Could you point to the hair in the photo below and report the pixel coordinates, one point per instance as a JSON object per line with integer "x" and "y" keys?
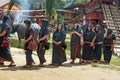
{"x": 77, "y": 27}
{"x": 62, "y": 29}
{"x": 88, "y": 26}
{"x": 28, "y": 22}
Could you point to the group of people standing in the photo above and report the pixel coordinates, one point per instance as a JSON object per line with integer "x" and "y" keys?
{"x": 95, "y": 40}
{"x": 86, "y": 44}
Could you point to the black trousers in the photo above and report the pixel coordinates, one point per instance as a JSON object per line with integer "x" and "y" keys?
{"x": 29, "y": 58}
{"x": 41, "y": 54}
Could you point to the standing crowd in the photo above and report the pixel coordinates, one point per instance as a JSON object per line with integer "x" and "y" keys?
{"x": 86, "y": 44}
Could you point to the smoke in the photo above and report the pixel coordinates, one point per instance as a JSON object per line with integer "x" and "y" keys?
{"x": 24, "y": 5}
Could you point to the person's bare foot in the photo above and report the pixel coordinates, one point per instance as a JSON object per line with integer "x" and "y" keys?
{"x": 26, "y": 66}
{"x": 11, "y": 65}
{"x": 72, "y": 62}
{"x": 41, "y": 65}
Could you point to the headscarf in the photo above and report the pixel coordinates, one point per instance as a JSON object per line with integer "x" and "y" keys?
{"x": 6, "y": 21}
{"x": 45, "y": 23}
{"x": 5, "y": 18}
{"x": 77, "y": 27}
{"x": 27, "y": 21}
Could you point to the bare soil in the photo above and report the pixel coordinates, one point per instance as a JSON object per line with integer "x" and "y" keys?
{"x": 65, "y": 72}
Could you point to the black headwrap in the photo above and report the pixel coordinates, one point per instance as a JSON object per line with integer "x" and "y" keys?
{"x": 6, "y": 21}
{"x": 45, "y": 23}
{"x": 27, "y": 21}
{"x": 5, "y": 18}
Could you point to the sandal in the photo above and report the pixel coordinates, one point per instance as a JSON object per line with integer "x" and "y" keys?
{"x": 41, "y": 65}
{"x": 26, "y": 66}
{"x": 72, "y": 62}
{"x": 11, "y": 65}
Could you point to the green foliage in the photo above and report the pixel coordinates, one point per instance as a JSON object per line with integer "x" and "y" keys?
{"x": 60, "y": 18}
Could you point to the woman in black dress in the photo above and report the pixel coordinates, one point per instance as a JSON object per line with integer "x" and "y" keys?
{"x": 58, "y": 53}
{"x": 89, "y": 39}
{"x": 28, "y": 37}
{"x": 5, "y": 54}
{"x": 76, "y": 43}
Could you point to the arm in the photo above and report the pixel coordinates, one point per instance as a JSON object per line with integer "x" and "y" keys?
{"x": 71, "y": 34}
{"x": 94, "y": 38}
{"x": 3, "y": 33}
{"x": 81, "y": 36}
{"x": 105, "y": 34}
{"x": 43, "y": 38}
{"x": 63, "y": 38}
{"x": 29, "y": 38}
{"x": 114, "y": 42}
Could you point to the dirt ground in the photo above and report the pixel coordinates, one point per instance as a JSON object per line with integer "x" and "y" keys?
{"x": 65, "y": 72}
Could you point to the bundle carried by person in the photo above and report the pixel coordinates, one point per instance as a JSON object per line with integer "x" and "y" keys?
{"x": 5, "y": 42}
{"x": 32, "y": 45}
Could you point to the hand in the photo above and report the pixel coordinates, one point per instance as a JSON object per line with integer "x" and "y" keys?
{"x": 55, "y": 42}
{"x": 25, "y": 41}
{"x": 38, "y": 41}
{"x": 59, "y": 42}
{"x": 105, "y": 29}
{"x": 92, "y": 44}
{"x": 72, "y": 33}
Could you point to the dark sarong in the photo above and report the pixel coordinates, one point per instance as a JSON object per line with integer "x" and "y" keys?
{"x": 87, "y": 52}
{"x": 6, "y": 54}
{"x": 97, "y": 51}
{"x": 58, "y": 54}
{"x": 107, "y": 53}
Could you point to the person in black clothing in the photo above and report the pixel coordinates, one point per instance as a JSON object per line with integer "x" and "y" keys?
{"x": 89, "y": 39}
{"x": 108, "y": 45}
{"x": 5, "y": 54}
{"x": 58, "y": 53}
{"x": 28, "y": 37}
{"x": 99, "y": 30}
{"x": 43, "y": 35}
{"x": 76, "y": 43}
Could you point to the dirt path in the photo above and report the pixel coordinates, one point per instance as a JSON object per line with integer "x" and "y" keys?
{"x": 65, "y": 72}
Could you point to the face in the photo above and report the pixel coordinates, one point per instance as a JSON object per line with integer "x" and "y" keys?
{"x": 89, "y": 28}
{"x": 96, "y": 28}
{"x": 26, "y": 25}
{"x": 75, "y": 26}
{"x": 40, "y": 23}
{"x": 59, "y": 26}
